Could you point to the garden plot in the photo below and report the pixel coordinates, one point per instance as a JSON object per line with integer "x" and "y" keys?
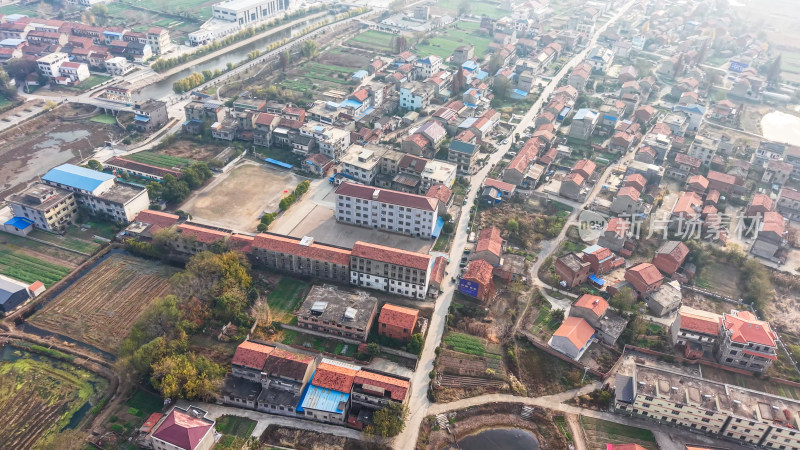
{"x": 100, "y": 307}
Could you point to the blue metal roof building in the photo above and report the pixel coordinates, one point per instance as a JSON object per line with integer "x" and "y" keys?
{"x": 320, "y": 399}
{"x": 77, "y": 178}
{"x": 462, "y": 147}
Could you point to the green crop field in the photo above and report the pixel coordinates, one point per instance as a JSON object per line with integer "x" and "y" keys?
{"x": 464, "y": 343}
{"x": 371, "y": 39}
{"x": 72, "y": 243}
{"x": 236, "y": 426}
{"x": 285, "y": 298}
{"x": 29, "y": 269}
{"x": 92, "y": 81}
{"x": 477, "y": 8}
{"x": 159, "y": 160}
{"x": 452, "y": 39}
{"x": 599, "y": 433}
{"x": 107, "y": 119}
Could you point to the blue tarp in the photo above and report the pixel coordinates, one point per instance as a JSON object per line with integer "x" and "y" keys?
{"x": 438, "y": 228}
{"x": 21, "y": 223}
{"x": 141, "y": 118}
{"x": 278, "y": 163}
{"x": 596, "y": 280}
{"x": 320, "y": 399}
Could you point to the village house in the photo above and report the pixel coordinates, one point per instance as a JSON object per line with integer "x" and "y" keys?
{"x": 572, "y": 270}
{"x": 477, "y": 281}
{"x": 695, "y": 331}
{"x": 573, "y": 337}
{"x": 644, "y": 277}
{"x": 746, "y": 342}
{"x": 397, "y": 322}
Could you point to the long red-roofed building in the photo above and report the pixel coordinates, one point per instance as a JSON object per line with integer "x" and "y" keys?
{"x": 390, "y": 269}
{"x": 248, "y": 361}
{"x": 302, "y": 256}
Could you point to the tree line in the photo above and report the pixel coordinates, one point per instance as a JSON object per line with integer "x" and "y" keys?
{"x": 175, "y": 190}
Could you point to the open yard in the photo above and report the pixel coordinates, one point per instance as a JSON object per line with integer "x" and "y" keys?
{"x": 40, "y": 396}
{"x": 31, "y": 261}
{"x": 332, "y": 69}
{"x": 600, "y": 432}
{"x": 543, "y": 373}
{"x": 452, "y": 38}
{"x": 758, "y": 384}
{"x": 237, "y": 198}
{"x": 100, "y": 307}
{"x": 67, "y": 241}
{"x": 719, "y": 277}
{"x": 372, "y": 40}
{"x": 320, "y": 344}
{"x": 285, "y": 298}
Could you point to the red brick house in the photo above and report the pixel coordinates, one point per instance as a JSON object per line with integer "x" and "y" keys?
{"x": 477, "y": 280}
{"x": 601, "y": 260}
{"x": 670, "y": 256}
{"x": 644, "y": 277}
{"x": 572, "y": 269}
{"x": 722, "y": 182}
{"x": 397, "y": 322}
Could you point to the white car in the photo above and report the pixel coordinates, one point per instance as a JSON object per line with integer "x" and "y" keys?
{"x": 505, "y": 141}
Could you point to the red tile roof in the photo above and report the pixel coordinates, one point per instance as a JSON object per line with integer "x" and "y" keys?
{"x": 790, "y": 194}
{"x": 698, "y": 181}
{"x": 334, "y": 377}
{"x": 397, "y": 388}
{"x": 388, "y": 196}
{"x": 479, "y": 271}
{"x": 761, "y": 200}
{"x": 598, "y": 305}
{"x": 489, "y": 239}
{"x": 686, "y": 204}
{"x": 630, "y": 191}
{"x": 35, "y": 286}
{"x": 699, "y": 324}
{"x": 398, "y": 316}
{"x": 182, "y": 430}
{"x": 265, "y": 119}
{"x": 391, "y": 255}
{"x": 618, "y": 225}
{"x": 625, "y": 447}
{"x": 683, "y": 158}
{"x": 241, "y": 242}
{"x": 577, "y": 330}
{"x": 636, "y": 179}
{"x": 440, "y": 192}
{"x": 645, "y": 272}
{"x": 291, "y": 246}
{"x": 721, "y": 177}
{"x": 360, "y": 95}
{"x": 575, "y": 177}
{"x": 200, "y": 234}
{"x": 745, "y": 328}
{"x": 252, "y": 354}
{"x": 151, "y": 421}
{"x": 287, "y": 364}
{"x": 499, "y": 185}
{"x": 437, "y": 273}
{"x": 156, "y": 219}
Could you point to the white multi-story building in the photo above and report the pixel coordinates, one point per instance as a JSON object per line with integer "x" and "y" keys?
{"x": 746, "y": 342}
{"x": 100, "y": 192}
{"x": 49, "y": 208}
{"x": 362, "y": 163}
{"x": 49, "y": 64}
{"x": 704, "y": 148}
{"x": 248, "y": 12}
{"x": 426, "y": 67}
{"x": 118, "y": 66}
{"x": 385, "y": 209}
{"x": 415, "y": 96}
{"x": 159, "y": 40}
{"x": 391, "y": 270}
{"x": 76, "y": 72}
{"x": 332, "y": 142}
{"x": 730, "y": 412}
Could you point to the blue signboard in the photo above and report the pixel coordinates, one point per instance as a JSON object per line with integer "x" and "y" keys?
{"x": 737, "y": 66}
{"x": 467, "y": 287}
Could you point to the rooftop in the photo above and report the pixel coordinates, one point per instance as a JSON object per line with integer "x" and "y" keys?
{"x": 595, "y": 303}
{"x": 577, "y": 330}
{"x": 391, "y": 255}
{"x": 77, "y": 177}
{"x": 398, "y": 316}
{"x": 286, "y": 364}
{"x": 302, "y": 247}
{"x": 489, "y": 240}
{"x": 184, "y": 428}
{"x": 201, "y": 234}
{"x": 387, "y": 196}
{"x": 699, "y": 321}
{"x": 339, "y": 306}
{"x": 322, "y": 399}
{"x": 40, "y": 196}
{"x": 335, "y": 375}
{"x": 479, "y": 271}
{"x": 745, "y": 328}
{"x": 122, "y": 193}
{"x": 572, "y": 261}
{"x": 252, "y": 355}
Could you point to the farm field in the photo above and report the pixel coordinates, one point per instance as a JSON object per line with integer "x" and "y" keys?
{"x": 544, "y": 373}
{"x": 444, "y": 44}
{"x": 31, "y": 261}
{"x": 39, "y": 396}
{"x": 100, "y": 307}
{"x": 181, "y": 152}
{"x": 477, "y": 8}
{"x": 719, "y": 277}
{"x": 285, "y": 298}
{"x": 73, "y": 243}
{"x": 372, "y": 40}
{"x": 331, "y": 70}
{"x": 156, "y": 159}
{"x": 465, "y": 343}
{"x": 600, "y": 432}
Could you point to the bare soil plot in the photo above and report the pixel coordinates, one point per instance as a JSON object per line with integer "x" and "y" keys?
{"x": 721, "y": 278}
{"x": 184, "y": 148}
{"x": 237, "y": 199}
{"x": 545, "y": 374}
{"x": 600, "y": 432}
{"x": 36, "y": 146}
{"x": 100, "y": 307}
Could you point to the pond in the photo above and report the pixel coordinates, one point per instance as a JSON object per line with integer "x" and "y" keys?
{"x": 499, "y": 439}
{"x": 781, "y": 127}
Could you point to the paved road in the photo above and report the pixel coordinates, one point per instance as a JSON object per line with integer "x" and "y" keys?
{"x": 418, "y": 403}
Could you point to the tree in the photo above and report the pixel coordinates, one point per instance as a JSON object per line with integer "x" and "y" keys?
{"x": 373, "y": 348}
{"x": 512, "y": 225}
{"x": 464, "y": 7}
{"x": 774, "y": 71}
{"x": 500, "y": 87}
{"x": 624, "y": 300}
{"x": 310, "y": 49}
{"x": 448, "y": 228}
{"x": 95, "y": 165}
{"x": 459, "y": 81}
{"x": 186, "y": 376}
{"x": 20, "y": 68}
{"x": 415, "y": 344}
{"x": 174, "y": 190}
{"x": 283, "y": 60}
{"x": 388, "y": 421}
{"x": 556, "y": 316}
{"x": 495, "y": 63}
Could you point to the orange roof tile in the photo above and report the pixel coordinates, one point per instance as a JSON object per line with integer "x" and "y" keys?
{"x": 577, "y": 330}
{"x": 291, "y": 246}
{"x": 252, "y": 354}
{"x": 699, "y": 324}
{"x": 598, "y": 305}
{"x": 391, "y": 255}
{"x": 646, "y": 272}
{"x": 745, "y": 328}
{"x": 398, "y": 316}
{"x": 630, "y": 191}
{"x": 489, "y": 240}
{"x": 200, "y": 234}
{"x": 479, "y": 271}
{"x": 334, "y": 377}
{"x": 397, "y": 388}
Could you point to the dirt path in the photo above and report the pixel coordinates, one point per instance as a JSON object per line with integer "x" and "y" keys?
{"x": 578, "y": 438}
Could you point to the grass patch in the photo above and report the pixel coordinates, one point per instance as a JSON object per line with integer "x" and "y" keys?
{"x": 477, "y": 8}
{"x": 561, "y": 424}
{"x": 371, "y": 39}
{"x": 236, "y": 426}
{"x": 601, "y": 432}
{"x": 451, "y": 39}
{"x": 92, "y": 82}
{"x": 159, "y": 160}
{"x": 285, "y": 298}
{"x": 107, "y": 119}
{"x": 145, "y": 402}
{"x": 292, "y": 337}
{"x": 72, "y": 243}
